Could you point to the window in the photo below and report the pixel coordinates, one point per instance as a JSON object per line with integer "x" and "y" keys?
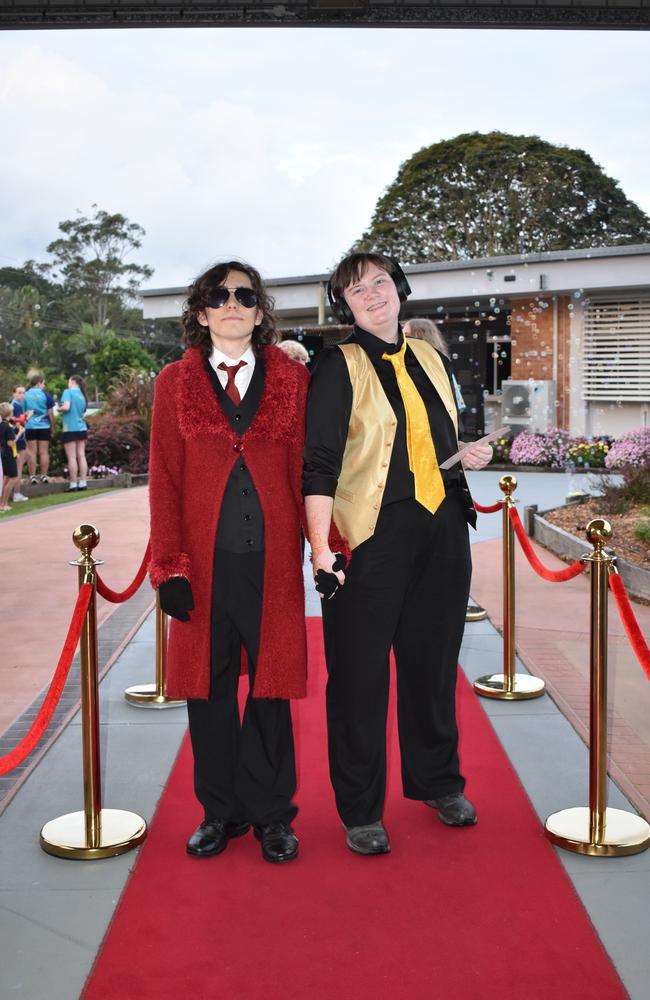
{"x": 617, "y": 350}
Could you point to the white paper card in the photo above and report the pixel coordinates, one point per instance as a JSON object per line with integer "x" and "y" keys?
{"x": 457, "y": 456}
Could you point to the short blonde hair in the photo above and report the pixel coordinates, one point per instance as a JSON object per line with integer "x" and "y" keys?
{"x": 295, "y": 350}
{"x": 425, "y": 329}
{"x": 6, "y": 410}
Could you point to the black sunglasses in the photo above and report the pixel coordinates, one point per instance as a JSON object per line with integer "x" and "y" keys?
{"x": 247, "y": 297}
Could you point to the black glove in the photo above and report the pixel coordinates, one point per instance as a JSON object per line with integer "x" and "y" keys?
{"x": 326, "y": 583}
{"x": 176, "y": 598}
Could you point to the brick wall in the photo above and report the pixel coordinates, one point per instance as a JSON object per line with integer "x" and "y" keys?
{"x": 531, "y": 329}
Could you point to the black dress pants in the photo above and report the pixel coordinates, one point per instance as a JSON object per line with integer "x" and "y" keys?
{"x": 243, "y": 769}
{"x": 406, "y": 587}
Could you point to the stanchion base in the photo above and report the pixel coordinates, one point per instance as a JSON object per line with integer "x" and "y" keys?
{"x": 494, "y": 686}
{"x": 625, "y": 832}
{"x": 475, "y": 613}
{"x": 147, "y": 696}
{"x": 65, "y": 837}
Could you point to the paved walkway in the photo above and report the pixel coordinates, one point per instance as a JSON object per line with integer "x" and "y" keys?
{"x": 41, "y": 588}
{"x": 552, "y": 639}
{"x": 552, "y": 631}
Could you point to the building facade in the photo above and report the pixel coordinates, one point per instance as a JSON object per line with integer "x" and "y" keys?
{"x": 540, "y": 340}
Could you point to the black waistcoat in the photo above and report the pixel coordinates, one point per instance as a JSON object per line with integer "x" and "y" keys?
{"x": 241, "y": 522}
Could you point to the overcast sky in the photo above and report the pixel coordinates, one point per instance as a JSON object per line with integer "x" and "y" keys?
{"x": 273, "y": 145}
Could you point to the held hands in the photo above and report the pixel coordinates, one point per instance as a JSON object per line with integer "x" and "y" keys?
{"x": 176, "y": 598}
{"x": 328, "y": 572}
{"x": 477, "y": 457}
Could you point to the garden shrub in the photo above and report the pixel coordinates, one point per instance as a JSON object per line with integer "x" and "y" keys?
{"x": 642, "y": 531}
{"x": 631, "y": 486}
{"x": 501, "y": 451}
{"x": 632, "y": 448}
{"x": 131, "y": 395}
{"x": 548, "y": 448}
{"x": 122, "y": 442}
{"x": 584, "y": 454}
{"x": 555, "y": 449}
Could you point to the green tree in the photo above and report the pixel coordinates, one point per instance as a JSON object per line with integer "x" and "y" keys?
{"x": 90, "y": 263}
{"x": 19, "y": 277}
{"x": 484, "y": 195}
{"x": 22, "y": 332}
{"x": 116, "y": 355}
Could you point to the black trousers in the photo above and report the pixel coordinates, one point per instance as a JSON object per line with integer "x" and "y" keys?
{"x": 243, "y": 769}
{"x": 406, "y": 587}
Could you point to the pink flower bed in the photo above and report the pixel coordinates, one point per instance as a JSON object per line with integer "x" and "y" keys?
{"x": 632, "y": 448}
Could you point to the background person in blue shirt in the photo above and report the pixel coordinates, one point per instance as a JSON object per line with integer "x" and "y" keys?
{"x": 20, "y": 418}
{"x": 73, "y": 405}
{"x": 39, "y": 427}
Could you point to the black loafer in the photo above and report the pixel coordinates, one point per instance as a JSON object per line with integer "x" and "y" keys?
{"x": 454, "y": 809}
{"x": 369, "y": 839}
{"x": 279, "y": 842}
{"x": 212, "y": 837}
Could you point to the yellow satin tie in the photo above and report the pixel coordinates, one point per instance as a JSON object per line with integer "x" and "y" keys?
{"x": 429, "y": 487}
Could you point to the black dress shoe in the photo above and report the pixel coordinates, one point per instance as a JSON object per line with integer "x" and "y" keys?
{"x": 454, "y": 809}
{"x": 212, "y": 837}
{"x": 279, "y": 842}
{"x": 369, "y": 839}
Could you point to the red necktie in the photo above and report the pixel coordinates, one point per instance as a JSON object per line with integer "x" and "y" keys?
{"x": 232, "y": 392}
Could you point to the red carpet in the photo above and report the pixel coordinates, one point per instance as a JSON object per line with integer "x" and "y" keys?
{"x": 475, "y": 914}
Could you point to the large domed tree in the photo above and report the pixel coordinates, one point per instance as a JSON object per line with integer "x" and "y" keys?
{"x": 482, "y": 195}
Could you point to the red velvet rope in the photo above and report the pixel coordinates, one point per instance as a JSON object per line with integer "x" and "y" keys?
{"x": 492, "y": 509}
{"x": 553, "y": 576}
{"x": 51, "y": 700}
{"x": 630, "y": 624}
{"x": 118, "y": 596}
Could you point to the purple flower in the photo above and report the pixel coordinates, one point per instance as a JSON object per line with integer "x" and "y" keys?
{"x": 632, "y": 448}
{"x": 547, "y": 448}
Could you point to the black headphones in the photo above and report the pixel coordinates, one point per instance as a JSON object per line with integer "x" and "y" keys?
{"x": 341, "y": 309}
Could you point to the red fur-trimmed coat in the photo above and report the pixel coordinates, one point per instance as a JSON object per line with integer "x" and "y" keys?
{"x": 193, "y": 449}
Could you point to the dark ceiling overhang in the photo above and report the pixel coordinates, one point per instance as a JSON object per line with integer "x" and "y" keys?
{"x": 594, "y": 14}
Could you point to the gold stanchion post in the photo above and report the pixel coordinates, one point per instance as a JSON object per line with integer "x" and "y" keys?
{"x": 155, "y": 695}
{"x": 95, "y": 832}
{"x": 509, "y": 685}
{"x": 597, "y": 830}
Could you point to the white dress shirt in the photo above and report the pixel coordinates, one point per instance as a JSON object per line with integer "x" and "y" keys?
{"x": 243, "y": 376}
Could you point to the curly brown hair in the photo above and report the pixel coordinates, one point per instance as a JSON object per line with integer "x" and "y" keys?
{"x": 196, "y": 335}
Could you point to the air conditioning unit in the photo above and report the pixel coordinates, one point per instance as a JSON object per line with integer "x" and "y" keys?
{"x": 528, "y": 404}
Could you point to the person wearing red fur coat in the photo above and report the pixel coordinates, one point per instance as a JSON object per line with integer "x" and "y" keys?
{"x": 226, "y": 459}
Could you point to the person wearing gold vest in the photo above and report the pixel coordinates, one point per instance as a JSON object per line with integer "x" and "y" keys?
{"x": 381, "y": 415}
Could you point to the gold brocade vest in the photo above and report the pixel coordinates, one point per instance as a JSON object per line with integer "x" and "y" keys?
{"x": 371, "y": 435}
